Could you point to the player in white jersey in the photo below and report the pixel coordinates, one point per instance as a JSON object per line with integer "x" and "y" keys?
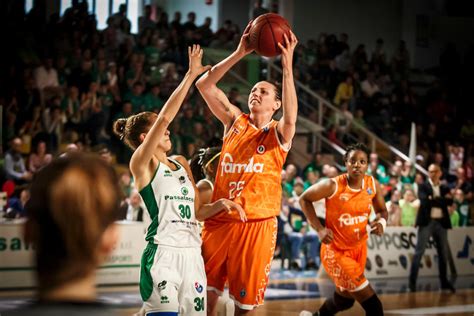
{"x": 172, "y": 277}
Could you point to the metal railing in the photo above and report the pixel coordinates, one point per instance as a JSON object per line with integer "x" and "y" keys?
{"x": 319, "y": 110}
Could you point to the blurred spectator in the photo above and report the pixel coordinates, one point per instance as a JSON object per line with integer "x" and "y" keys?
{"x": 462, "y": 208}
{"x": 205, "y": 32}
{"x": 343, "y": 121}
{"x": 462, "y": 184}
{"x": 344, "y": 92}
{"x": 311, "y": 177}
{"x": 315, "y": 163}
{"x": 308, "y": 238}
{"x": 120, "y": 18}
{"x": 46, "y": 78}
{"x": 379, "y": 56}
{"x": 291, "y": 219}
{"x": 53, "y": 123}
{"x": 401, "y": 60}
{"x": 39, "y": 158}
{"x": 190, "y": 24}
{"x": 153, "y": 101}
{"x": 145, "y": 22}
{"x": 291, "y": 173}
{"x": 409, "y": 206}
{"x": 15, "y": 168}
{"x": 134, "y": 208}
{"x": 258, "y": 9}
{"x": 456, "y": 158}
{"x": 17, "y": 202}
{"x": 369, "y": 86}
{"x": 394, "y": 210}
{"x": 407, "y": 174}
{"x": 376, "y": 169}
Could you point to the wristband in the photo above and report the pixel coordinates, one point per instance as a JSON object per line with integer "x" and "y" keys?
{"x": 382, "y": 221}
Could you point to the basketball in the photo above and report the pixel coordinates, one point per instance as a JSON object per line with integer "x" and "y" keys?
{"x": 266, "y": 32}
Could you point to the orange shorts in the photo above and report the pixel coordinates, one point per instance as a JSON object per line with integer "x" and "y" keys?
{"x": 345, "y": 267}
{"x": 240, "y": 253}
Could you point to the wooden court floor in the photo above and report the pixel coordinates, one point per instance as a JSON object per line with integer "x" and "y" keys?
{"x": 420, "y": 303}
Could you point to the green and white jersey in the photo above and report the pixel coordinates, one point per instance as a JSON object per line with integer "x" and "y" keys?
{"x": 169, "y": 199}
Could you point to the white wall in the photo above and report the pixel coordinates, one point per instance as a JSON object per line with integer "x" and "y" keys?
{"x": 237, "y": 11}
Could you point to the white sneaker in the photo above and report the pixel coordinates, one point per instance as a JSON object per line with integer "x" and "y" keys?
{"x": 306, "y": 313}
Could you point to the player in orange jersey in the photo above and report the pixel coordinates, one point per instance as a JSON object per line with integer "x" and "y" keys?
{"x": 249, "y": 173}
{"x": 349, "y": 201}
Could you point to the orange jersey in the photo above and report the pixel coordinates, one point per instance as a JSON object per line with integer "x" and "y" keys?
{"x": 348, "y": 210}
{"x": 249, "y": 171}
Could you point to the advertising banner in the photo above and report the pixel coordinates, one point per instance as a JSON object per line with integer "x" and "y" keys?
{"x": 122, "y": 266}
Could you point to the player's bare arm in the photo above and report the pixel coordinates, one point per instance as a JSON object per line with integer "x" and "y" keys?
{"x": 317, "y": 192}
{"x": 140, "y": 161}
{"x": 287, "y": 125}
{"x": 215, "y": 98}
{"x": 378, "y": 225}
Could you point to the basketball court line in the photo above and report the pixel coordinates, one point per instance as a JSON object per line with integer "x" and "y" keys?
{"x": 433, "y": 310}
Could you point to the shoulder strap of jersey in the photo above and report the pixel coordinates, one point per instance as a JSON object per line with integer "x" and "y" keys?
{"x": 337, "y": 181}
{"x": 241, "y": 117}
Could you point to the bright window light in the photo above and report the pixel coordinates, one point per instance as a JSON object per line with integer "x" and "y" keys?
{"x": 102, "y": 13}
{"x": 132, "y": 14}
{"x": 65, "y": 4}
{"x": 28, "y": 5}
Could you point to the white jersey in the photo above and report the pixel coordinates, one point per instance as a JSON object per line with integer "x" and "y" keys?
{"x": 169, "y": 200}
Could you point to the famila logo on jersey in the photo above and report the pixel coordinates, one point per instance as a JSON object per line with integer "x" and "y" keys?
{"x": 347, "y": 220}
{"x": 228, "y": 166}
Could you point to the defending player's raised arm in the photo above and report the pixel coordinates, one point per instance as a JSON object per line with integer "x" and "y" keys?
{"x": 316, "y": 192}
{"x": 287, "y": 124}
{"x": 380, "y": 222}
{"x": 215, "y": 98}
{"x": 145, "y": 151}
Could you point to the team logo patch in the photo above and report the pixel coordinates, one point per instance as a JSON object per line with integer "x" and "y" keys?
{"x": 261, "y": 149}
{"x": 243, "y": 293}
{"x": 164, "y": 300}
{"x": 184, "y": 190}
{"x": 168, "y": 173}
{"x": 369, "y": 191}
{"x": 182, "y": 179}
{"x": 199, "y": 288}
{"x": 344, "y": 197}
{"x": 162, "y": 285}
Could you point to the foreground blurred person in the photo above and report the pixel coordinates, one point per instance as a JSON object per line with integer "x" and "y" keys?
{"x": 74, "y": 203}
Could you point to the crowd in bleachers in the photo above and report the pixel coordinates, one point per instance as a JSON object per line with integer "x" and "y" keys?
{"x": 66, "y": 82}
